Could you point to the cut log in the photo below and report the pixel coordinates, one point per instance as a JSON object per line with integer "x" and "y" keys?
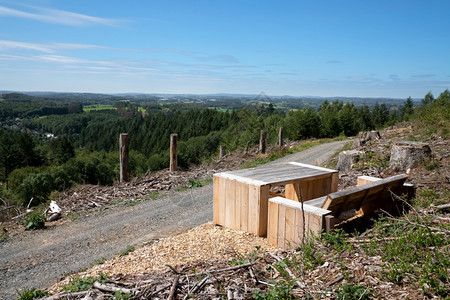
{"x": 406, "y": 155}
{"x": 347, "y": 159}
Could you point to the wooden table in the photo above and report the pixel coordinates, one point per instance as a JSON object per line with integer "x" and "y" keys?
{"x": 241, "y": 197}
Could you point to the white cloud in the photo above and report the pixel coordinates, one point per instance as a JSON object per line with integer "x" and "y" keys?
{"x": 55, "y": 16}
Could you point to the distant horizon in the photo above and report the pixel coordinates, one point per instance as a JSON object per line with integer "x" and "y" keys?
{"x": 204, "y": 94}
{"x": 364, "y": 49}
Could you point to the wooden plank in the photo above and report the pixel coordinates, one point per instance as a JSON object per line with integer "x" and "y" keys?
{"x": 362, "y": 180}
{"x": 263, "y": 209}
{"x": 317, "y": 202}
{"x": 334, "y": 182}
{"x": 216, "y": 199}
{"x": 253, "y": 209}
{"x": 290, "y": 228}
{"x": 272, "y": 227}
{"x": 237, "y": 206}
{"x": 222, "y": 201}
{"x": 242, "y": 193}
{"x": 281, "y": 226}
{"x": 298, "y": 227}
{"x": 230, "y": 208}
{"x": 292, "y": 191}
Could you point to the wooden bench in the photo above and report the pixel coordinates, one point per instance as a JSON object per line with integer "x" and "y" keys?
{"x": 286, "y": 227}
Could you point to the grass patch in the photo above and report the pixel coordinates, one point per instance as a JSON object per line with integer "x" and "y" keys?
{"x": 194, "y": 183}
{"x": 99, "y": 261}
{"x": 73, "y": 216}
{"x": 3, "y": 234}
{"x": 156, "y": 195}
{"x": 30, "y": 294}
{"x": 126, "y": 251}
{"x": 414, "y": 253}
{"x": 133, "y": 203}
{"x": 116, "y": 202}
{"x": 79, "y": 284}
{"x": 353, "y": 292}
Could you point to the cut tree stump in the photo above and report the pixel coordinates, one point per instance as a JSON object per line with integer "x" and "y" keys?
{"x": 365, "y": 136}
{"x": 347, "y": 159}
{"x": 408, "y": 154}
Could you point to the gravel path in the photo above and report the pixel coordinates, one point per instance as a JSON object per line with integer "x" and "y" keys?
{"x": 37, "y": 259}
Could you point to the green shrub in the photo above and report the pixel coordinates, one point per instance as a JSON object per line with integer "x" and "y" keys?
{"x": 78, "y": 284}
{"x": 281, "y": 290}
{"x": 34, "y": 220}
{"x": 30, "y": 294}
{"x": 352, "y": 292}
{"x": 158, "y": 161}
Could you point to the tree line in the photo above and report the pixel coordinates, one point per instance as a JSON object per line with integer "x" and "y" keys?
{"x": 86, "y": 150}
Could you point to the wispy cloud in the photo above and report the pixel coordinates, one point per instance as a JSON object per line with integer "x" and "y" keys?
{"x": 7, "y": 45}
{"x": 56, "y": 16}
{"x": 334, "y": 62}
{"x": 422, "y": 76}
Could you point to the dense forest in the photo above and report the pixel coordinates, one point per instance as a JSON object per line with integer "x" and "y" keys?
{"x": 86, "y": 147}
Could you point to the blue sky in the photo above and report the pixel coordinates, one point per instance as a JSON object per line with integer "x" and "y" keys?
{"x": 298, "y": 48}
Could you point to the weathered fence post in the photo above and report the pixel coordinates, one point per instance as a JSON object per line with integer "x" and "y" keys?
{"x": 222, "y": 152}
{"x": 262, "y": 142}
{"x": 173, "y": 152}
{"x": 280, "y": 137}
{"x": 124, "y": 165}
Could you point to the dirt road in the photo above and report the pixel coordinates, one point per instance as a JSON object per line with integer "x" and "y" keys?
{"x": 38, "y": 258}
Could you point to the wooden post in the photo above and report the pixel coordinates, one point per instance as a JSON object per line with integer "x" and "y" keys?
{"x": 173, "y": 152}
{"x": 124, "y": 165}
{"x": 262, "y": 142}
{"x": 222, "y": 152}
{"x": 280, "y": 137}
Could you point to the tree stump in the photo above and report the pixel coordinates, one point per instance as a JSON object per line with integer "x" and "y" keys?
{"x": 407, "y": 154}
{"x": 347, "y": 159}
{"x": 262, "y": 142}
{"x": 365, "y": 136}
{"x": 173, "y": 164}
{"x": 124, "y": 159}
{"x": 222, "y": 152}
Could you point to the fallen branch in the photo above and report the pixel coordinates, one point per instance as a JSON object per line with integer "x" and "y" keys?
{"x": 197, "y": 286}
{"x": 223, "y": 270}
{"x": 173, "y": 289}
{"x": 336, "y": 280}
{"x": 291, "y": 274}
{"x": 65, "y": 296}
{"x": 108, "y": 288}
{"x": 442, "y": 206}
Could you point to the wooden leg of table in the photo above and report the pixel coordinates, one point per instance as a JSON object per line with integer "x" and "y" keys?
{"x": 334, "y": 182}
{"x": 290, "y": 228}
{"x": 281, "y": 237}
{"x": 230, "y": 209}
{"x": 292, "y": 191}
{"x": 272, "y": 228}
{"x": 263, "y": 209}
{"x": 216, "y": 196}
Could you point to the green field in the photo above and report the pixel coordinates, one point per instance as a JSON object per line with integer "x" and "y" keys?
{"x": 88, "y": 108}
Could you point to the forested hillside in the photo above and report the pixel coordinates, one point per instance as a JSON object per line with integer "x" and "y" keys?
{"x": 86, "y": 147}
